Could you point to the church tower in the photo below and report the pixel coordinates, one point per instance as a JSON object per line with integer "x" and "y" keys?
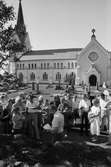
{"x": 21, "y": 36}
{"x": 20, "y": 29}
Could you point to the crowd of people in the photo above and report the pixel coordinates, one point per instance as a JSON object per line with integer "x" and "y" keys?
{"x": 30, "y": 116}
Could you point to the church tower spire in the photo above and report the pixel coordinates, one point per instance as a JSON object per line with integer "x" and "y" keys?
{"x": 20, "y": 19}
{"x": 20, "y": 26}
{"x": 20, "y": 29}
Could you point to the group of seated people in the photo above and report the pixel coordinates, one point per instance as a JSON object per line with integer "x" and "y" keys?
{"x": 31, "y": 116}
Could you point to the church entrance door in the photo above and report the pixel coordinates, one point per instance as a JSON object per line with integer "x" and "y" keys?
{"x": 93, "y": 80}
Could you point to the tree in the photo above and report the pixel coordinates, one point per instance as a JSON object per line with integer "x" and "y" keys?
{"x": 8, "y": 45}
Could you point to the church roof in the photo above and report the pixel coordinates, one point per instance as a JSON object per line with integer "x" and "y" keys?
{"x": 58, "y": 54}
{"x": 52, "y": 51}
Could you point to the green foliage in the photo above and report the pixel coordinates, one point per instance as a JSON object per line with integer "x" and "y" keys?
{"x": 10, "y": 81}
{"x": 6, "y": 19}
{"x": 7, "y": 42}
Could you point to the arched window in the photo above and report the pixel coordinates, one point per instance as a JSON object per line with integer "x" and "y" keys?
{"x": 61, "y": 65}
{"x": 41, "y": 66}
{"x": 32, "y": 76}
{"x": 45, "y": 76}
{"x": 67, "y": 76}
{"x": 72, "y": 78}
{"x": 48, "y": 65}
{"x": 21, "y": 77}
{"x": 72, "y": 65}
{"x": 57, "y": 65}
{"x": 75, "y": 64}
{"x": 54, "y": 65}
{"x": 58, "y": 76}
{"x": 44, "y": 65}
{"x": 32, "y": 66}
{"x": 68, "y": 65}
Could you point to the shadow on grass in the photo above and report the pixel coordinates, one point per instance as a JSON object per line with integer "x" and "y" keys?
{"x": 75, "y": 151}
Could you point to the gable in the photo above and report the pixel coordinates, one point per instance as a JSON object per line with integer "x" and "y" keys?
{"x": 94, "y": 45}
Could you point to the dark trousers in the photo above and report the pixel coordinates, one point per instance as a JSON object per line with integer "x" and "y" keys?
{"x": 84, "y": 121}
{"x": 33, "y": 125}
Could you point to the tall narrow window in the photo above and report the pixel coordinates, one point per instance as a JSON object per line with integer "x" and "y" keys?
{"x": 72, "y": 65}
{"x": 41, "y": 66}
{"x": 58, "y": 76}
{"x": 29, "y": 66}
{"x": 44, "y": 65}
{"x": 75, "y": 64}
{"x": 35, "y": 66}
{"x": 32, "y": 66}
{"x": 57, "y": 65}
{"x": 32, "y": 76}
{"x": 68, "y": 65}
{"x": 54, "y": 65}
{"x": 61, "y": 65}
{"x": 47, "y": 65}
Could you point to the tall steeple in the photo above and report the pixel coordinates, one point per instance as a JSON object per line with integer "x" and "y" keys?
{"x": 20, "y": 19}
{"x": 20, "y": 26}
{"x": 20, "y": 29}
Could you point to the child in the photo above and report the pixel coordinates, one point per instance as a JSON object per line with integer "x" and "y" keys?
{"x": 94, "y": 118}
{"x": 17, "y": 121}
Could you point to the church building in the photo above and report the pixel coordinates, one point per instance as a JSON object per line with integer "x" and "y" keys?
{"x": 90, "y": 65}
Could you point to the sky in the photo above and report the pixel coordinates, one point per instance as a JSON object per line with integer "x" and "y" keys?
{"x": 54, "y": 24}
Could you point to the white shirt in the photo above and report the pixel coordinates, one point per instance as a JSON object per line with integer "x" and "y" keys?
{"x": 31, "y": 107}
{"x": 58, "y": 122}
{"x": 84, "y": 104}
{"x": 95, "y": 110}
{"x": 102, "y": 105}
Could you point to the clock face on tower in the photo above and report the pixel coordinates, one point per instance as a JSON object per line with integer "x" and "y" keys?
{"x": 93, "y": 56}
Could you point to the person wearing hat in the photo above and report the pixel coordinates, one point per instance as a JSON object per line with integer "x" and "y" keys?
{"x": 94, "y": 118}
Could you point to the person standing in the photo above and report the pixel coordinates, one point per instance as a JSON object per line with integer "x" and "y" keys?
{"x": 17, "y": 121}
{"x": 103, "y": 111}
{"x": 32, "y": 118}
{"x": 84, "y": 107}
{"x": 94, "y": 118}
{"x": 57, "y": 128}
{"x": 106, "y": 114}
{"x": 75, "y": 109}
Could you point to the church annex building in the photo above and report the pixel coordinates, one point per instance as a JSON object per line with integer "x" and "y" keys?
{"x": 90, "y": 65}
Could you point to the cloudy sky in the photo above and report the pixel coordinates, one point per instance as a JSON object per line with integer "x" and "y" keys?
{"x": 66, "y": 23}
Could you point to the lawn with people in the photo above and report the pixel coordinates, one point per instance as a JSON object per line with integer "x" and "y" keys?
{"x": 27, "y": 149}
